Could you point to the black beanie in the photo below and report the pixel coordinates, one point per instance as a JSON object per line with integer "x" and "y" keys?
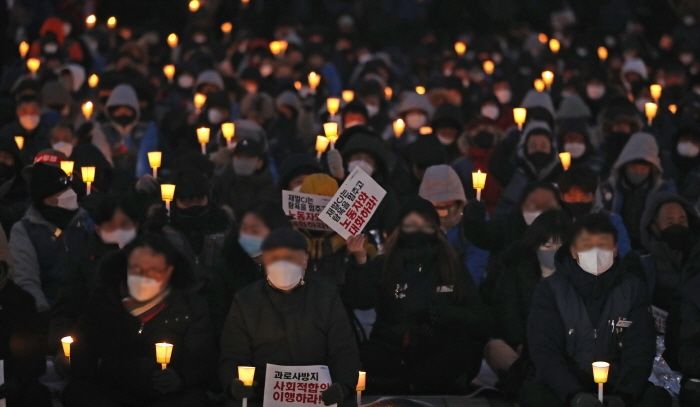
{"x": 46, "y": 180}
{"x": 421, "y": 207}
{"x": 191, "y": 184}
{"x": 284, "y": 237}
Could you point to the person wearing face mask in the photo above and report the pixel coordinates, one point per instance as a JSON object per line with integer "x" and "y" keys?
{"x": 288, "y": 320}
{"x": 28, "y": 125}
{"x": 145, "y": 296}
{"x": 416, "y": 112}
{"x": 636, "y": 174}
{"x": 525, "y": 263}
{"x": 14, "y": 196}
{"x": 447, "y": 126}
{"x": 53, "y": 228}
{"x": 428, "y": 310}
{"x": 246, "y": 178}
{"x": 370, "y": 92}
{"x": 491, "y": 110}
{"x": 442, "y": 187}
{"x": 620, "y": 121}
{"x": 684, "y": 165}
{"x": 594, "y": 307}
{"x": 57, "y": 104}
{"x": 291, "y": 126}
{"x": 574, "y": 138}
{"x": 354, "y": 114}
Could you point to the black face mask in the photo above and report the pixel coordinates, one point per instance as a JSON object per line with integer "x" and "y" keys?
{"x": 60, "y": 217}
{"x": 539, "y": 159}
{"x": 123, "y": 120}
{"x": 678, "y": 237}
{"x": 483, "y": 139}
{"x": 417, "y": 239}
{"x": 578, "y": 209}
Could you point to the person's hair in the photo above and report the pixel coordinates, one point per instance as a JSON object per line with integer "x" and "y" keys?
{"x": 594, "y": 223}
{"x": 538, "y": 185}
{"x": 132, "y": 204}
{"x": 270, "y": 213}
{"x": 553, "y": 224}
{"x": 578, "y": 176}
{"x": 159, "y": 244}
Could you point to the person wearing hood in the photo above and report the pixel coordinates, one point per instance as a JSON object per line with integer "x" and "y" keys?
{"x": 408, "y": 172}
{"x": 289, "y": 131}
{"x": 53, "y": 227}
{"x": 447, "y": 126}
{"x": 537, "y": 162}
{"x": 144, "y": 296}
{"x": 428, "y": 311}
{"x": 574, "y": 137}
{"x": 441, "y": 187}
{"x": 14, "y": 197}
{"x": 354, "y": 114}
{"x": 288, "y": 320}
{"x": 57, "y": 104}
{"x": 636, "y": 174}
{"x": 593, "y": 308}
{"x": 246, "y": 178}
{"x": 29, "y": 126}
{"x": 416, "y": 112}
{"x": 684, "y": 166}
{"x": 620, "y": 120}
{"x": 370, "y": 93}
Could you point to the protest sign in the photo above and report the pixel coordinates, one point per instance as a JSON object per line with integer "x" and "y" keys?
{"x": 303, "y": 209}
{"x": 295, "y": 385}
{"x": 351, "y": 208}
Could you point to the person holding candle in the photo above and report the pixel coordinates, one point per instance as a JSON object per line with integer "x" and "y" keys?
{"x": 594, "y": 307}
{"x": 416, "y": 111}
{"x": 447, "y": 126}
{"x": 354, "y": 114}
{"x": 28, "y": 124}
{"x": 288, "y": 320}
{"x": 144, "y": 296}
{"x": 684, "y": 165}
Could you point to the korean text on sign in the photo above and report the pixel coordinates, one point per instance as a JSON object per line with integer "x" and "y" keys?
{"x": 295, "y": 385}
{"x": 303, "y": 209}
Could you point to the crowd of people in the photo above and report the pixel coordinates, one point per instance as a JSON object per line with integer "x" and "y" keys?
{"x": 561, "y": 260}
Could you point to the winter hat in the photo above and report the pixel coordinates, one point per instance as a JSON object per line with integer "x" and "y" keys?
{"x": 191, "y": 184}
{"x": 209, "y": 77}
{"x": 284, "y": 238}
{"x": 413, "y": 101}
{"x": 448, "y": 115}
{"x": 573, "y": 107}
{"x": 46, "y": 180}
{"x": 441, "y": 183}
{"x": 290, "y": 99}
{"x": 249, "y": 147}
{"x": 534, "y": 99}
{"x": 319, "y": 184}
{"x": 421, "y": 207}
{"x": 295, "y": 165}
{"x": 635, "y": 65}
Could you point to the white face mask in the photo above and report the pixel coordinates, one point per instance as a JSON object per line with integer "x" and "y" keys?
{"x": 595, "y": 92}
{"x": 353, "y": 123}
{"x": 596, "y": 261}
{"x": 64, "y": 147}
{"x": 416, "y": 120}
{"x": 445, "y": 141}
{"x": 530, "y": 216}
{"x": 576, "y": 149}
{"x": 490, "y": 111}
{"x": 68, "y": 199}
{"x": 372, "y": 110}
{"x": 29, "y": 121}
{"x": 364, "y": 166}
{"x": 143, "y": 288}
{"x": 266, "y": 70}
{"x": 687, "y": 149}
{"x": 185, "y": 81}
{"x": 284, "y": 275}
{"x": 244, "y": 166}
{"x": 120, "y": 237}
{"x": 215, "y": 116}
{"x": 503, "y": 95}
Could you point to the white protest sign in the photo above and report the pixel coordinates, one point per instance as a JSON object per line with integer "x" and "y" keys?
{"x": 295, "y": 385}
{"x": 2, "y": 379}
{"x": 303, "y": 209}
{"x": 353, "y": 205}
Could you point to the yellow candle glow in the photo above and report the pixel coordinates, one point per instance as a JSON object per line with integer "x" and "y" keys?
{"x": 554, "y": 45}
{"x": 203, "y": 137}
{"x": 169, "y": 72}
{"x": 542, "y": 38}
{"x": 650, "y": 109}
{"x": 93, "y": 80}
{"x": 565, "y": 158}
{"x": 361, "y": 381}
{"x": 600, "y": 376}
{"x": 655, "y": 92}
{"x": 33, "y": 65}
{"x": 245, "y": 3}
{"x": 314, "y": 80}
{"x": 194, "y": 6}
{"x": 330, "y": 129}
{"x": 297, "y": 85}
{"x": 389, "y": 92}
{"x": 226, "y": 27}
{"x": 154, "y": 160}
{"x": 460, "y": 47}
{"x": 66, "y": 342}
{"x": 488, "y": 67}
{"x": 67, "y": 167}
{"x": 333, "y": 105}
{"x": 23, "y": 48}
{"x": 172, "y": 40}
{"x": 425, "y": 130}
{"x": 602, "y": 53}
{"x": 321, "y": 145}
{"x": 199, "y": 100}
{"x": 548, "y": 78}
{"x": 88, "y": 175}
{"x": 228, "y": 130}
{"x": 348, "y": 95}
{"x": 673, "y": 108}
{"x": 246, "y": 374}
{"x": 164, "y": 351}
{"x": 478, "y": 182}
{"x": 278, "y": 47}
{"x": 90, "y": 21}
{"x": 112, "y": 22}
{"x": 539, "y": 85}
{"x": 398, "y": 126}
{"x": 167, "y": 193}
{"x": 19, "y": 141}
{"x": 420, "y": 89}
{"x": 87, "y": 108}
{"x": 519, "y": 116}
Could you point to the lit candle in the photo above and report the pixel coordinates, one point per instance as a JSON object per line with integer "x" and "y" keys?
{"x": 389, "y": 92}
{"x": 297, "y": 85}
{"x": 488, "y": 67}
{"x": 321, "y": 145}
{"x": 203, "y": 138}
{"x": 420, "y": 89}
{"x": 548, "y": 78}
{"x": 398, "y": 126}
{"x": 478, "y": 182}
{"x": 554, "y": 45}
{"x": 245, "y": 3}
{"x": 172, "y": 40}
{"x": 425, "y": 130}
{"x": 314, "y": 81}
{"x": 361, "y": 381}
{"x": 154, "y": 160}
{"x": 33, "y": 65}
{"x": 673, "y": 108}
{"x": 226, "y": 27}
{"x": 66, "y": 342}
{"x": 519, "y": 116}
{"x": 650, "y": 109}
{"x": 199, "y": 100}
{"x": 539, "y": 85}
{"x": 167, "y": 193}
{"x": 93, "y": 80}
{"x": 278, "y": 47}
{"x": 542, "y": 38}
{"x": 600, "y": 376}
{"x": 169, "y": 72}
{"x": 330, "y": 129}
{"x": 348, "y": 95}
{"x": 19, "y": 141}
{"x": 333, "y": 105}
{"x": 246, "y": 374}
{"x": 23, "y": 48}
{"x": 228, "y": 130}
{"x": 67, "y": 167}
{"x": 565, "y": 158}
{"x": 193, "y": 6}
{"x": 460, "y": 47}
{"x": 602, "y": 53}
{"x": 90, "y": 21}
{"x": 655, "y": 91}
{"x": 88, "y": 175}
{"x": 86, "y": 108}
{"x": 112, "y": 22}
{"x": 164, "y": 351}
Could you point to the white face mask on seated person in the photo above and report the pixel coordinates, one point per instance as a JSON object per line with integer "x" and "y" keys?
{"x": 284, "y": 275}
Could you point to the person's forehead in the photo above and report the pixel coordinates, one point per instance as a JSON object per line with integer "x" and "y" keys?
{"x": 671, "y": 209}
{"x": 283, "y": 252}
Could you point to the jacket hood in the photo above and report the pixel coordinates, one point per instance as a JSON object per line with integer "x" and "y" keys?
{"x": 534, "y": 99}
{"x": 210, "y": 77}
{"x": 640, "y": 146}
{"x": 367, "y": 144}
{"x": 573, "y": 107}
{"x": 654, "y": 202}
{"x": 288, "y": 98}
{"x": 124, "y": 95}
{"x": 634, "y": 65}
{"x": 78, "y": 74}
{"x": 413, "y": 101}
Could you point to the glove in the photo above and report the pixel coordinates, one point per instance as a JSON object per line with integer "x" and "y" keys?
{"x": 335, "y": 394}
{"x": 166, "y": 381}
{"x": 240, "y": 391}
{"x": 585, "y": 400}
{"x": 614, "y": 401}
{"x": 335, "y": 164}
